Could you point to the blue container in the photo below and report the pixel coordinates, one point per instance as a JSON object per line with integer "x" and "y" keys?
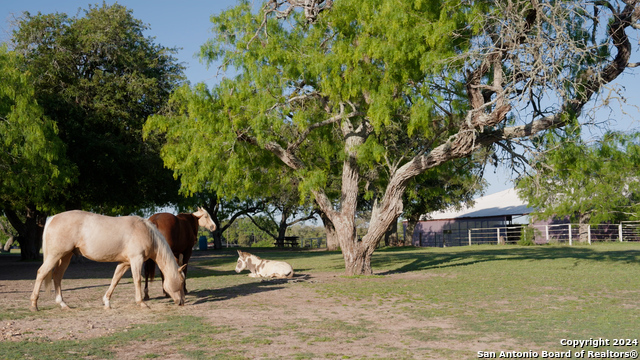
{"x": 202, "y": 243}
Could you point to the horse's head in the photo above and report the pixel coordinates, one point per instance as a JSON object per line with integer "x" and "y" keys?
{"x": 242, "y": 261}
{"x": 204, "y": 219}
{"x": 174, "y": 286}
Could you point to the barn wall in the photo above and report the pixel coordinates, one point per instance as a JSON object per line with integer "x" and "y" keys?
{"x": 451, "y": 232}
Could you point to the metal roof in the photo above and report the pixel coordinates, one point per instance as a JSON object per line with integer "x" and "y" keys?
{"x": 506, "y": 202}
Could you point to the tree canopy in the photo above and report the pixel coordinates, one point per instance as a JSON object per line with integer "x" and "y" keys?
{"x": 365, "y": 96}
{"x": 35, "y": 171}
{"x": 588, "y": 182}
{"x": 72, "y": 124}
{"x": 32, "y": 159}
{"x": 98, "y": 77}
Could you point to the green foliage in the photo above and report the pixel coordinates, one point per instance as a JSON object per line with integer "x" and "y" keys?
{"x": 596, "y": 182}
{"x": 372, "y": 57}
{"x": 98, "y": 78}
{"x": 244, "y": 233}
{"x": 263, "y": 243}
{"x": 527, "y": 236}
{"x": 307, "y": 231}
{"x": 452, "y": 184}
{"x": 32, "y": 156}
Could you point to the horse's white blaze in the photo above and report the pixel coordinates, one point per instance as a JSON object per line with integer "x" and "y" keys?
{"x": 263, "y": 268}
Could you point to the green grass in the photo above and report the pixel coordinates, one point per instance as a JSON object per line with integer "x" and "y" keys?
{"x": 534, "y": 294}
{"x": 528, "y": 296}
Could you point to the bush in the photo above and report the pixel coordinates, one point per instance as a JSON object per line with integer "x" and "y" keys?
{"x": 526, "y": 242}
{"x": 526, "y": 237}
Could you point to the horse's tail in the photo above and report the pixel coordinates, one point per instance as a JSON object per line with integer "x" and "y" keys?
{"x": 160, "y": 247}
{"x": 48, "y": 279}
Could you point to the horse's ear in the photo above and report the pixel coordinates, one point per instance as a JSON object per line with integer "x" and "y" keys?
{"x": 239, "y": 253}
{"x": 181, "y": 268}
{"x": 200, "y": 213}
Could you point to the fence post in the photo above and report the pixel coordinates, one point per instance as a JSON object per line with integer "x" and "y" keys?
{"x": 469, "y": 237}
{"x": 570, "y": 242}
{"x": 620, "y": 232}
{"x": 589, "y": 230}
{"x": 546, "y": 232}
{"x": 498, "y": 236}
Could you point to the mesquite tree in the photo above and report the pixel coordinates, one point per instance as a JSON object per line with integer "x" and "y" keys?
{"x": 379, "y": 92}
{"x": 592, "y": 183}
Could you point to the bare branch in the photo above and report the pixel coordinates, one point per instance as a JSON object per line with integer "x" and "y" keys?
{"x": 311, "y": 8}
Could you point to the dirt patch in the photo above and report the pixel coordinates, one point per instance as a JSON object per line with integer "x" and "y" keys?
{"x": 289, "y": 319}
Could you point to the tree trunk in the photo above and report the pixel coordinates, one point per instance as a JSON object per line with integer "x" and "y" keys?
{"x": 212, "y": 206}
{"x": 217, "y": 238}
{"x": 283, "y": 226}
{"x": 391, "y": 236}
{"x": 583, "y": 230}
{"x": 356, "y": 253}
{"x": 7, "y": 245}
{"x": 30, "y": 232}
{"x": 332, "y": 238}
{"x": 412, "y": 222}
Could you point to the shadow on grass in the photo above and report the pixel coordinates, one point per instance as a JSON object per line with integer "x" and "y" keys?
{"x": 226, "y": 293}
{"x": 389, "y": 260}
{"x": 467, "y": 256}
{"x": 253, "y": 287}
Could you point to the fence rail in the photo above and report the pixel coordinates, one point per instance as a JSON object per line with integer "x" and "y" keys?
{"x": 540, "y": 234}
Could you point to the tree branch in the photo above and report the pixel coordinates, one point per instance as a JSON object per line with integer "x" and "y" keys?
{"x": 238, "y": 214}
{"x": 261, "y": 227}
{"x": 332, "y": 120}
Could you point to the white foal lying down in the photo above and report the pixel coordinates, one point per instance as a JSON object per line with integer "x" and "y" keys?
{"x": 263, "y": 268}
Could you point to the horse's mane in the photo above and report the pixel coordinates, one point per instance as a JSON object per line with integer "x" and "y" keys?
{"x": 246, "y": 255}
{"x": 164, "y": 255}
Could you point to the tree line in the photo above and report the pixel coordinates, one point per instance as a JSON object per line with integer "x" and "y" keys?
{"x": 345, "y": 111}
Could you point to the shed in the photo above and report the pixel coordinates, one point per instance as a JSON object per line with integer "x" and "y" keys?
{"x": 451, "y": 227}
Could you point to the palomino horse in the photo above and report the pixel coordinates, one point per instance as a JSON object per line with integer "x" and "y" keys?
{"x": 263, "y": 268}
{"x": 181, "y": 232}
{"x": 129, "y": 240}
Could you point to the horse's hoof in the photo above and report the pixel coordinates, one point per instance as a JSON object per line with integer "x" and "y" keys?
{"x": 33, "y": 308}
{"x": 144, "y": 305}
{"x": 146, "y": 297}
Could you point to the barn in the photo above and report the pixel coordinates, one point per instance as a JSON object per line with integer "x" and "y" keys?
{"x": 492, "y": 218}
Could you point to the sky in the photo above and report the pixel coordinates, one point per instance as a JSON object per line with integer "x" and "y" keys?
{"x": 185, "y": 24}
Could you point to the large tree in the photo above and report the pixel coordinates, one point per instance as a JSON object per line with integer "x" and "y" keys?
{"x": 98, "y": 77}
{"x": 387, "y": 90}
{"x": 32, "y": 156}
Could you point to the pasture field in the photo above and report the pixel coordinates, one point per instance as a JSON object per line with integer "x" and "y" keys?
{"x": 423, "y": 303}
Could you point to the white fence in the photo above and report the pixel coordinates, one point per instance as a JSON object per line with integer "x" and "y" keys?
{"x": 318, "y": 242}
{"x": 556, "y": 233}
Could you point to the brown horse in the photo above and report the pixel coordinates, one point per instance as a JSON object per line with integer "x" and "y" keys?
{"x": 181, "y": 232}
{"x": 129, "y": 240}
